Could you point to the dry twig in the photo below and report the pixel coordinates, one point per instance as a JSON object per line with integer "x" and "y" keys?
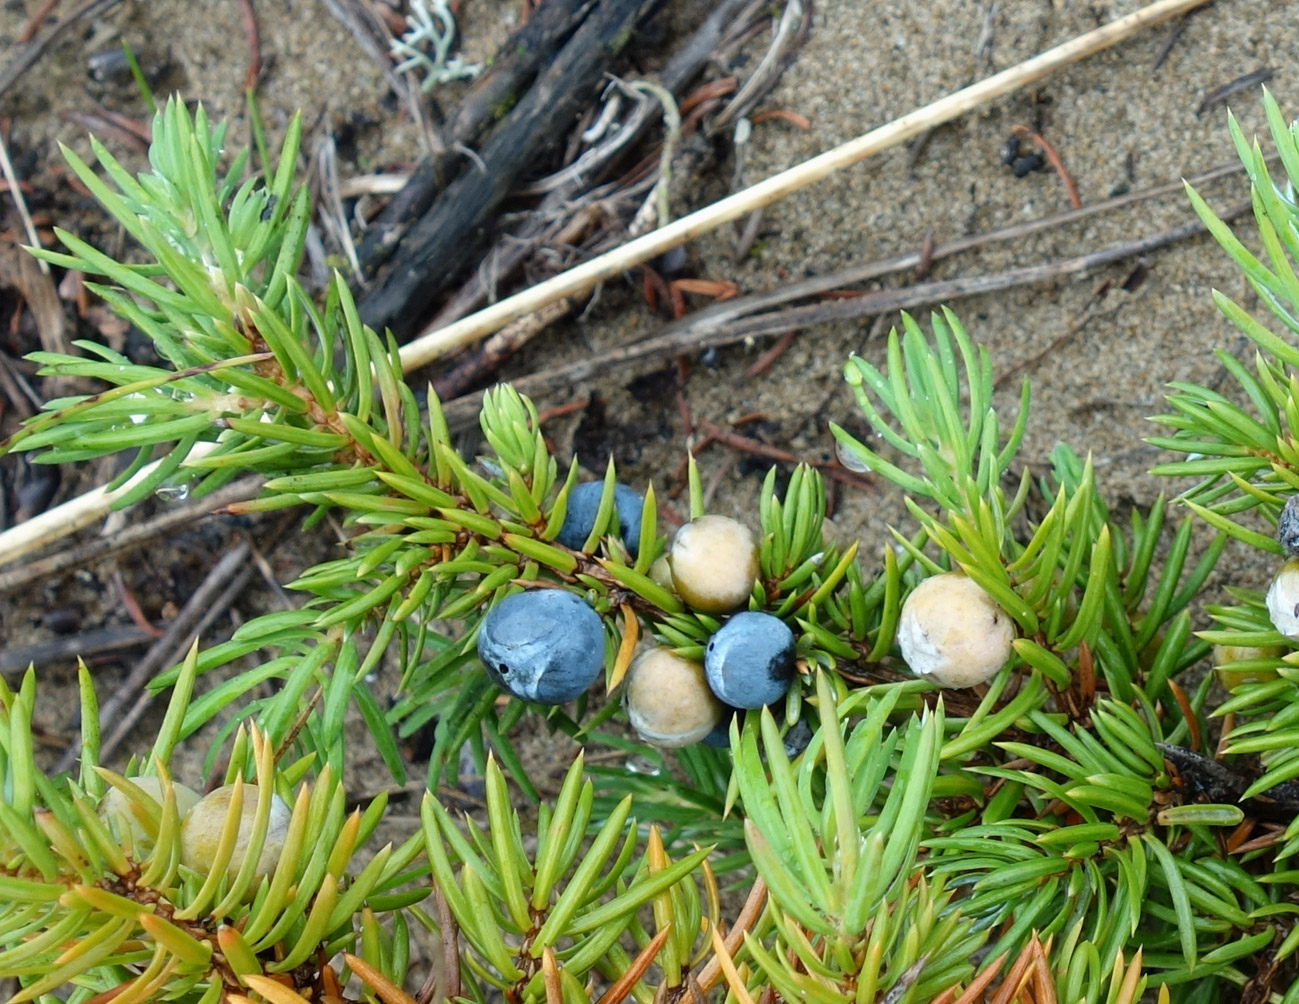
{"x": 127, "y": 539}
{"x": 73, "y": 515}
{"x": 25, "y": 59}
{"x": 736, "y": 320}
{"x": 16, "y": 193}
{"x": 254, "y": 44}
{"x": 34, "y": 22}
{"x": 86, "y": 645}
{"x": 1242, "y": 83}
{"x": 580, "y": 280}
{"x": 1053, "y": 157}
{"x": 209, "y": 601}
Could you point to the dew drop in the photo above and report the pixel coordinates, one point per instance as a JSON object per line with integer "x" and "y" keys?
{"x": 850, "y": 459}
{"x": 642, "y": 765}
{"x": 172, "y": 493}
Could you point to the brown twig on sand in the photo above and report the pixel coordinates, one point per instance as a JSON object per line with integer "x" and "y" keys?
{"x": 735, "y": 320}
{"x": 254, "y": 70}
{"x": 1170, "y": 40}
{"x": 132, "y": 606}
{"x": 926, "y": 257}
{"x": 1056, "y": 161}
{"x": 106, "y": 129}
{"x": 142, "y": 129}
{"x": 830, "y": 468}
{"x": 719, "y": 88}
{"x": 1246, "y": 82}
{"x": 26, "y": 59}
{"x": 86, "y": 645}
{"x": 23, "y": 400}
{"x": 764, "y": 361}
{"x": 21, "y": 271}
{"x": 208, "y": 602}
{"x": 34, "y": 22}
{"x": 559, "y": 410}
{"x": 798, "y": 121}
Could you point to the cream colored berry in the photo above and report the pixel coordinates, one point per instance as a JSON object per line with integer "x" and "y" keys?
{"x": 1283, "y": 599}
{"x": 201, "y": 831}
{"x": 661, "y": 572}
{"x": 126, "y": 822}
{"x": 1227, "y": 660}
{"x": 953, "y": 632}
{"x": 668, "y": 699}
{"x": 714, "y": 564}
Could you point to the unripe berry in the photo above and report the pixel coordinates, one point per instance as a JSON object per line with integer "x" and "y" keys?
{"x": 200, "y": 833}
{"x": 661, "y": 572}
{"x": 1227, "y": 660}
{"x": 668, "y": 700}
{"x": 953, "y": 632}
{"x": 714, "y": 564}
{"x": 115, "y": 809}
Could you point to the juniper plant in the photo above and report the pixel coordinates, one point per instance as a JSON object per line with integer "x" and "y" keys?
{"x": 1063, "y": 832}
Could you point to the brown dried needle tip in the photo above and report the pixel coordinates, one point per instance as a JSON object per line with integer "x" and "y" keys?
{"x": 550, "y": 970}
{"x": 254, "y": 45}
{"x": 387, "y": 991}
{"x": 1053, "y": 157}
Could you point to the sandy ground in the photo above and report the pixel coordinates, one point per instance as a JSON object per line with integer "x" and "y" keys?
{"x": 1118, "y": 124}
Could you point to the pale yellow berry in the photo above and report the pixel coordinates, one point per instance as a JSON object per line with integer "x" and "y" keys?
{"x": 127, "y": 821}
{"x": 1226, "y": 658}
{"x": 714, "y": 564}
{"x": 953, "y": 632}
{"x": 200, "y": 833}
{"x": 661, "y": 572}
{"x": 668, "y": 699}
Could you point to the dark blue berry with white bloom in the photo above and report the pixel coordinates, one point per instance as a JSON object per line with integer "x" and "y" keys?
{"x": 720, "y": 736}
{"x": 749, "y": 662}
{"x": 584, "y": 504}
{"x": 797, "y": 738}
{"x": 1287, "y": 527}
{"x": 543, "y": 645}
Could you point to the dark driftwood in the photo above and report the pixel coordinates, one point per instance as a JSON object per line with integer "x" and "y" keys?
{"x": 512, "y": 70}
{"x": 435, "y": 250}
{"x": 511, "y": 250}
{"x": 86, "y": 645}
